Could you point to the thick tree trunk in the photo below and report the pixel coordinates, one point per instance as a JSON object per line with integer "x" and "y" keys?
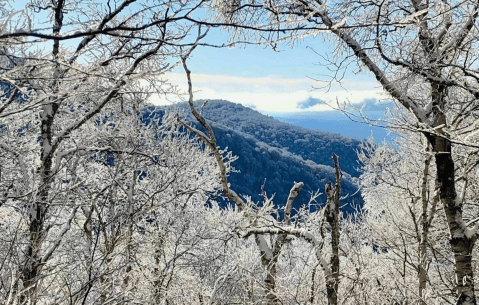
{"x": 33, "y": 261}
{"x": 332, "y": 282}
{"x": 269, "y": 265}
{"x": 461, "y": 244}
{"x": 422, "y": 274}
{"x": 270, "y": 284}
{"x": 332, "y": 217}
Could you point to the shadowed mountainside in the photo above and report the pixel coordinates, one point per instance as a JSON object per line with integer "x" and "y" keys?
{"x": 278, "y": 152}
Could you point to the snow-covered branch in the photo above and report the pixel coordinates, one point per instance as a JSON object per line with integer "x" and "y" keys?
{"x": 59, "y": 238}
{"x": 300, "y": 233}
{"x": 289, "y": 203}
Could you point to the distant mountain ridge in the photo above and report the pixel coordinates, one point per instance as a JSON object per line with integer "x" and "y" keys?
{"x": 278, "y": 152}
{"x": 315, "y": 145}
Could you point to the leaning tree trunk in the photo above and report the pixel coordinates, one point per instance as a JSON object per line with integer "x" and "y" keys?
{"x": 461, "y": 243}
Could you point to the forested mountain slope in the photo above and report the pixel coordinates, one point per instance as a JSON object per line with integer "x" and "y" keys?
{"x": 314, "y": 145}
{"x": 277, "y": 159}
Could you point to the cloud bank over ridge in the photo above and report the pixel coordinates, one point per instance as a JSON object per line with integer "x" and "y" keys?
{"x": 272, "y": 94}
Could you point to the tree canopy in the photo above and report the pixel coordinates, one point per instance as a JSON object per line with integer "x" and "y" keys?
{"x": 101, "y": 204}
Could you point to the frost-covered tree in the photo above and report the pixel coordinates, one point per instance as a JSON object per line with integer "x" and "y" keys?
{"x": 110, "y": 207}
{"x": 423, "y": 53}
{"x": 260, "y": 223}
{"x": 75, "y": 76}
{"x": 404, "y": 216}
{"x": 407, "y": 226}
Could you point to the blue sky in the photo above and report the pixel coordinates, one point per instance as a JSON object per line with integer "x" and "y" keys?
{"x": 271, "y": 81}
{"x": 281, "y": 84}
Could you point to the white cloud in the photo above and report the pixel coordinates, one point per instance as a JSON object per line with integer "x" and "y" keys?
{"x": 270, "y": 94}
{"x": 223, "y": 79}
